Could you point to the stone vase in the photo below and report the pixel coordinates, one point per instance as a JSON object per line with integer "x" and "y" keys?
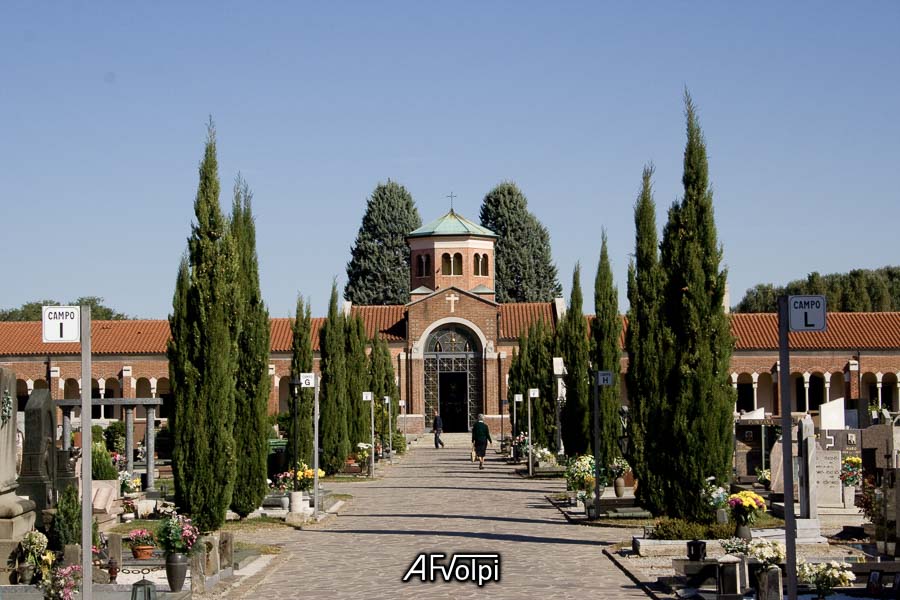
{"x": 25, "y": 573}
{"x": 285, "y": 501}
{"x": 176, "y": 570}
{"x": 768, "y": 583}
{"x": 299, "y": 502}
{"x": 849, "y": 496}
{"x": 619, "y": 487}
{"x": 743, "y": 531}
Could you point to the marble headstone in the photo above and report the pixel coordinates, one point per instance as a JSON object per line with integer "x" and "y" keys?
{"x": 39, "y": 459}
{"x": 828, "y": 478}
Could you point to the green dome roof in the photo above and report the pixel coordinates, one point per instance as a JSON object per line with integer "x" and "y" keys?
{"x": 451, "y": 224}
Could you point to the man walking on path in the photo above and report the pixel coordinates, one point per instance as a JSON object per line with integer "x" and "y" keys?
{"x": 438, "y": 426}
{"x": 481, "y": 435}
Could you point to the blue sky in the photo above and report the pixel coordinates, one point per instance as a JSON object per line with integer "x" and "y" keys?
{"x": 103, "y": 108}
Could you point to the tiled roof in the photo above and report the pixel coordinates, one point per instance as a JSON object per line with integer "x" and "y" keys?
{"x": 451, "y": 224}
{"x": 389, "y": 321}
{"x": 107, "y": 337}
{"x": 847, "y": 331}
{"x": 515, "y": 318}
{"x": 282, "y": 338}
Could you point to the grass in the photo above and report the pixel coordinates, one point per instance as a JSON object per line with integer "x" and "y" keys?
{"x": 260, "y": 548}
{"x": 247, "y": 525}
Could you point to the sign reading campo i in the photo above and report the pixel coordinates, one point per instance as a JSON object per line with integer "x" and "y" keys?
{"x": 61, "y": 323}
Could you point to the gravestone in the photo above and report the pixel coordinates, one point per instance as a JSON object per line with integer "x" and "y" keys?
{"x": 39, "y": 458}
{"x": 809, "y": 491}
{"x": 16, "y": 513}
{"x": 777, "y": 465}
{"x": 828, "y": 478}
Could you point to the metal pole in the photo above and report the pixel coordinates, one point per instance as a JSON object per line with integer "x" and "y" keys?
{"x": 501, "y": 422}
{"x": 763, "y": 447}
{"x": 529, "y": 437}
{"x": 295, "y": 455}
{"x": 596, "y": 446}
{"x": 87, "y": 508}
{"x": 515, "y": 427}
{"x": 784, "y": 385}
{"x": 316, "y": 452}
{"x": 559, "y": 446}
{"x": 390, "y": 430}
{"x": 372, "y": 449}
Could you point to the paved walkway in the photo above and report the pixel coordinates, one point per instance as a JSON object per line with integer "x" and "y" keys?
{"x": 438, "y": 501}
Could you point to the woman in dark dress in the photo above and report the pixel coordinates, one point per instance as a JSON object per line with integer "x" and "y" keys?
{"x": 481, "y": 437}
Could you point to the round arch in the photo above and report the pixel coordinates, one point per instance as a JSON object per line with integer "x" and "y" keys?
{"x": 419, "y": 347}
{"x": 452, "y": 355}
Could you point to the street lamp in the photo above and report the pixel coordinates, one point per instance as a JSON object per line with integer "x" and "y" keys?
{"x": 295, "y": 443}
{"x": 367, "y": 397}
{"x": 517, "y": 399}
{"x": 559, "y": 370}
{"x": 387, "y": 400}
{"x": 532, "y": 393}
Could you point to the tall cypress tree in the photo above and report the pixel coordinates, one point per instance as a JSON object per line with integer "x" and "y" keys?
{"x": 378, "y": 271}
{"x": 523, "y": 264}
{"x": 606, "y": 329}
{"x": 183, "y": 381}
{"x": 252, "y": 381}
{"x": 573, "y": 344}
{"x": 357, "y": 382}
{"x": 381, "y": 371}
{"x": 698, "y": 384}
{"x": 644, "y": 344}
{"x": 333, "y": 390}
{"x": 302, "y": 362}
{"x": 205, "y": 417}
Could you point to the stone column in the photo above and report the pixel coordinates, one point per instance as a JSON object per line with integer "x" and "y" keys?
{"x": 151, "y": 446}
{"x": 897, "y": 395}
{"x": 67, "y": 427}
{"x": 827, "y": 377}
{"x": 734, "y": 384}
{"x": 878, "y": 385}
{"x": 755, "y": 395}
{"x": 129, "y": 438}
{"x": 806, "y": 392}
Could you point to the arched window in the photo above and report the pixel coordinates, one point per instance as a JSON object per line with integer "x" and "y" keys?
{"x": 484, "y": 265}
{"x": 457, "y": 264}
{"x": 477, "y": 265}
{"x": 427, "y": 266}
{"x": 446, "y": 264}
{"x": 420, "y": 266}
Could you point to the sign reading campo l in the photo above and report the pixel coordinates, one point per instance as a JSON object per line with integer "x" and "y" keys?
{"x": 807, "y": 313}
{"x": 61, "y": 323}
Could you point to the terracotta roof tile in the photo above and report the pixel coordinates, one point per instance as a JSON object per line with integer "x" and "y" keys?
{"x": 516, "y": 317}
{"x": 107, "y": 337}
{"x": 845, "y": 331}
{"x": 389, "y": 321}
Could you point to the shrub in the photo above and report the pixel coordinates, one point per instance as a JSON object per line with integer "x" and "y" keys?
{"x": 679, "y": 529}
{"x": 399, "y": 441}
{"x": 66, "y": 527}
{"x": 115, "y": 437}
{"x": 101, "y": 464}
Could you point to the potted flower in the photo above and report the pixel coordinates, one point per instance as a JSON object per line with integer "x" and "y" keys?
{"x": 851, "y": 476}
{"x": 142, "y": 543}
{"x": 542, "y": 457}
{"x": 34, "y": 544}
{"x": 129, "y": 484}
{"x": 825, "y": 576}
{"x": 62, "y": 583}
{"x": 745, "y": 507}
{"x": 764, "y": 477}
{"x": 618, "y": 469}
{"x": 177, "y": 537}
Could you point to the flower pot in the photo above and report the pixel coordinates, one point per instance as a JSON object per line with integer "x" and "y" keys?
{"x": 142, "y": 552}
{"x": 285, "y": 502}
{"x": 880, "y": 547}
{"x": 299, "y": 502}
{"x": 25, "y": 573}
{"x": 849, "y": 496}
{"x": 176, "y": 569}
{"x": 619, "y": 486}
{"x": 743, "y": 531}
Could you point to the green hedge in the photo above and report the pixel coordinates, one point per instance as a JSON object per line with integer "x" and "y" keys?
{"x": 679, "y": 529}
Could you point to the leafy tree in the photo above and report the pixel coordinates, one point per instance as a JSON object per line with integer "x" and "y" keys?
{"x": 573, "y": 345}
{"x": 252, "y": 377}
{"x": 605, "y": 331}
{"x": 646, "y": 356}
{"x": 523, "y": 264}
{"x": 333, "y": 389}
{"x": 378, "y": 271}
{"x": 201, "y": 358}
{"x": 31, "y": 311}
{"x": 698, "y": 385}
{"x": 357, "y": 382}
{"x": 302, "y": 362}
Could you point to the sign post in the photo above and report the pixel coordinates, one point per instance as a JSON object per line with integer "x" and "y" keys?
{"x": 532, "y": 393}
{"x": 309, "y": 380}
{"x": 795, "y": 313}
{"x": 603, "y": 378}
{"x": 517, "y": 399}
{"x": 367, "y": 397}
{"x": 387, "y": 400}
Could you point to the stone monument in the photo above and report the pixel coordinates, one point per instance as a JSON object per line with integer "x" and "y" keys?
{"x": 39, "y": 458}
{"x": 16, "y": 513}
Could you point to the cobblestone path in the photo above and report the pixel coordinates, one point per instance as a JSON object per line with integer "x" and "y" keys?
{"x": 438, "y": 501}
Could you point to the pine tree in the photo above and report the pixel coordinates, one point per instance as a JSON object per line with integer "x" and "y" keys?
{"x": 573, "y": 345}
{"x": 523, "y": 264}
{"x": 698, "y": 385}
{"x": 204, "y": 450}
{"x": 333, "y": 389}
{"x": 302, "y": 362}
{"x": 252, "y": 380}
{"x": 644, "y": 344}
{"x": 606, "y": 329}
{"x": 357, "y": 382}
{"x": 378, "y": 271}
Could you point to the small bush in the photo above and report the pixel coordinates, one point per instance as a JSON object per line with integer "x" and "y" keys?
{"x": 66, "y": 526}
{"x": 115, "y": 437}
{"x": 399, "y": 443}
{"x": 96, "y": 433}
{"x": 101, "y": 463}
{"x": 679, "y": 529}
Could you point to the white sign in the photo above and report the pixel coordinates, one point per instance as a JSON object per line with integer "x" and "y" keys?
{"x": 307, "y": 380}
{"x": 61, "y": 323}
{"x": 403, "y": 404}
{"x": 518, "y": 397}
{"x": 604, "y": 378}
{"x": 533, "y": 393}
{"x": 807, "y": 313}
{"x": 387, "y": 399}
{"x": 367, "y": 396}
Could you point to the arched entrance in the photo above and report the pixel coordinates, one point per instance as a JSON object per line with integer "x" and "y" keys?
{"x": 453, "y": 377}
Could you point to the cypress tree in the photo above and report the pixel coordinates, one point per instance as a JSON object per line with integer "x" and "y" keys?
{"x": 378, "y": 271}
{"x": 252, "y": 381}
{"x": 204, "y": 445}
{"x": 333, "y": 389}
{"x": 302, "y": 362}
{"x": 606, "y": 329}
{"x": 573, "y": 345}
{"x": 644, "y": 344}
{"x": 698, "y": 384}
{"x": 183, "y": 382}
{"x": 523, "y": 264}
{"x": 518, "y": 384}
{"x": 381, "y": 371}
{"x": 357, "y": 382}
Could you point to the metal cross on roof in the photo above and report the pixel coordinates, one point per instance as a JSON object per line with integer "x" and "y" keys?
{"x": 451, "y": 196}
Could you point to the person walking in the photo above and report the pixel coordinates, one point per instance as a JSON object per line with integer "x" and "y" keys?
{"x": 481, "y": 437}
{"x": 438, "y": 427}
